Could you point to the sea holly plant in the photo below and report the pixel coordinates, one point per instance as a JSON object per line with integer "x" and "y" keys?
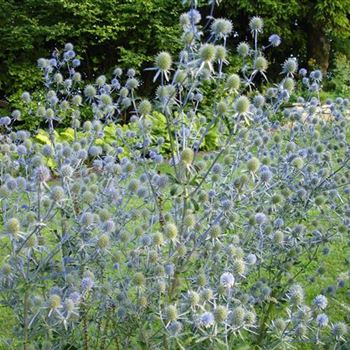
{"x": 122, "y": 245}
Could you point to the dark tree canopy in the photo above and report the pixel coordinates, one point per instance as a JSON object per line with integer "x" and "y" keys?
{"x": 130, "y": 32}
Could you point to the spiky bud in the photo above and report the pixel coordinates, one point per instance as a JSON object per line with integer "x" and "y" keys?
{"x": 54, "y": 302}
{"x": 187, "y": 156}
{"x": 163, "y": 61}
{"x": 145, "y": 107}
{"x": 253, "y": 164}
{"x": 261, "y": 64}
{"x": 256, "y": 24}
{"x": 243, "y": 49}
{"x": 171, "y": 313}
{"x": 207, "y": 52}
{"x": 170, "y": 231}
{"x": 242, "y": 104}
{"x": 13, "y": 227}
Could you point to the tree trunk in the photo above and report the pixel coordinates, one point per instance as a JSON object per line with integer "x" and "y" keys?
{"x": 319, "y": 46}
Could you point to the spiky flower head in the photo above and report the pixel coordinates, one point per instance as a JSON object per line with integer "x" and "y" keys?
{"x": 87, "y": 283}
{"x": 207, "y": 52}
{"x": 180, "y": 76}
{"x": 57, "y": 193}
{"x": 90, "y": 91}
{"x": 320, "y": 302}
{"x": 290, "y": 66}
{"x": 296, "y": 294}
{"x": 316, "y": 75}
{"x": 171, "y": 313}
{"x": 221, "y": 27}
{"x": 170, "y": 231}
{"x": 187, "y": 156}
{"x": 174, "y": 328}
{"x": 261, "y": 64}
{"x": 220, "y": 313}
{"x": 233, "y": 82}
{"x": 227, "y": 280}
{"x": 193, "y": 298}
{"x": 42, "y": 173}
{"x": 253, "y": 164}
{"x": 163, "y": 61}
{"x": 145, "y": 107}
{"x": 132, "y": 83}
{"x": 339, "y": 329}
{"x": 322, "y": 320}
{"x": 194, "y": 16}
{"x": 289, "y": 84}
{"x": 242, "y": 104}
{"x": 237, "y": 316}
{"x": 259, "y": 101}
{"x": 243, "y": 49}
{"x": 220, "y": 53}
{"x": 54, "y": 302}
{"x": 221, "y": 108}
{"x": 256, "y": 24}
{"x": 206, "y": 320}
{"x": 275, "y": 40}
{"x": 298, "y": 162}
{"x": 103, "y": 241}
{"x": 139, "y": 279}
{"x": 238, "y": 267}
{"x": 185, "y": 20}
{"x": 13, "y": 226}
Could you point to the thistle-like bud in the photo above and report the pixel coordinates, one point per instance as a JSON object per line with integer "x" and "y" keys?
{"x": 145, "y": 107}
{"x": 290, "y": 66}
{"x": 90, "y": 91}
{"x": 221, "y": 53}
{"x": 103, "y": 241}
{"x": 221, "y": 27}
{"x": 256, "y": 24}
{"x": 187, "y": 156}
{"x": 170, "y": 231}
{"x": 237, "y": 316}
{"x": 233, "y": 82}
{"x": 261, "y": 64}
{"x": 13, "y": 227}
{"x": 54, "y": 302}
{"x": 171, "y": 313}
{"x": 220, "y": 313}
{"x": 207, "y": 52}
{"x": 253, "y": 164}
{"x": 298, "y": 162}
{"x": 242, "y": 105}
{"x": 42, "y": 173}
{"x": 243, "y": 49}
{"x": 163, "y": 61}
{"x": 227, "y": 280}
{"x": 139, "y": 279}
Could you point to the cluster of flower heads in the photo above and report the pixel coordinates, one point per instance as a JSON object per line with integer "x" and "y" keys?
{"x": 112, "y": 245}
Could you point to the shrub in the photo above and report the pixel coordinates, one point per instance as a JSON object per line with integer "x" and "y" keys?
{"x": 123, "y": 246}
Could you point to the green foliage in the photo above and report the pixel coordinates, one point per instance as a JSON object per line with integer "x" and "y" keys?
{"x": 340, "y": 82}
{"x": 295, "y": 21}
{"x": 130, "y": 33}
{"x": 107, "y": 32}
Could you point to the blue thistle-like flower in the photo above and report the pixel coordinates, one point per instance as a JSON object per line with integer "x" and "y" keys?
{"x": 275, "y": 40}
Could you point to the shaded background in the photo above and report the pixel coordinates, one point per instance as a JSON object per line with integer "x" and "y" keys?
{"x": 129, "y": 33}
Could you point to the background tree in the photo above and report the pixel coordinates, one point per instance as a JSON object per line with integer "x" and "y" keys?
{"x": 130, "y": 32}
{"x": 308, "y": 27}
{"x": 104, "y": 32}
